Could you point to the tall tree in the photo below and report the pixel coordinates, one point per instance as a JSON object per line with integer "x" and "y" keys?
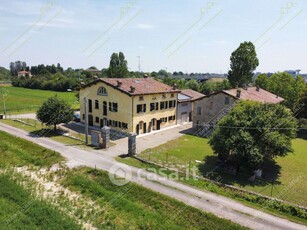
{"x": 118, "y": 67}
{"x": 262, "y": 81}
{"x": 54, "y": 111}
{"x": 243, "y": 62}
{"x": 286, "y": 86}
{"x": 253, "y": 132}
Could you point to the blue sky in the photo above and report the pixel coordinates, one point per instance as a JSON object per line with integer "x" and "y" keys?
{"x": 177, "y": 35}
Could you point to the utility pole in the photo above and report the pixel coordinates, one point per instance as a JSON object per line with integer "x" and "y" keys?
{"x": 85, "y": 121}
{"x": 3, "y": 101}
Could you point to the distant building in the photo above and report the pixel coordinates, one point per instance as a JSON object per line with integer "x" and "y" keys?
{"x": 186, "y": 100}
{"x": 293, "y": 73}
{"x": 209, "y": 109}
{"x": 24, "y": 73}
{"x": 137, "y": 105}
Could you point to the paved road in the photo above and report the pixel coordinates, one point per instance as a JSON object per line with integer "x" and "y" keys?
{"x": 210, "y": 202}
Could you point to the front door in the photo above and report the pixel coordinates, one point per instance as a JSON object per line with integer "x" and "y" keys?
{"x": 158, "y": 124}
{"x": 144, "y": 128}
{"x": 90, "y": 120}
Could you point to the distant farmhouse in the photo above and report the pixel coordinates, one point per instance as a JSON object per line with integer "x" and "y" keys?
{"x": 211, "y": 108}
{"x": 186, "y": 104}
{"x": 24, "y": 73}
{"x": 137, "y": 105}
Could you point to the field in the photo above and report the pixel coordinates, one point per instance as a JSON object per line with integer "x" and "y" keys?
{"x": 21, "y": 100}
{"x": 82, "y": 197}
{"x": 288, "y": 174}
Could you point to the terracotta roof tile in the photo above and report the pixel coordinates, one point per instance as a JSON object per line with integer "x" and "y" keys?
{"x": 193, "y": 94}
{"x": 252, "y": 94}
{"x": 140, "y": 85}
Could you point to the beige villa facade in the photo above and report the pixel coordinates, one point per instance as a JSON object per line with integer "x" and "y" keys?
{"x": 138, "y": 105}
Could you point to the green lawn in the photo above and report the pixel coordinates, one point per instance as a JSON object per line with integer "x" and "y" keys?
{"x": 290, "y": 171}
{"x": 188, "y": 151}
{"x": 20, "y": 210}
{"x": 37, "y": 127}
{"x": 21, "y": 100}
{"x": 120, "y": 207}
{"x": 136, "y": 206}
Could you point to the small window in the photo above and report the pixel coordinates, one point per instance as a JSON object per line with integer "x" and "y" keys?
{"x": 226, "y": 100}
{"x": 141, "y": 98}
{"x": 119, "y": 124}
{"x": 172, "y": 95}
{"x": 198, "y": 110}
{"x": 125, "y": 125}
{"x": 113, "y": 107}
{"x": 96, "y": 104}
{"x": 141, "y": 108}
{"x": 102, "y": 91}
{"x": 163, "y": 96}
{"x": 97, "y": 119}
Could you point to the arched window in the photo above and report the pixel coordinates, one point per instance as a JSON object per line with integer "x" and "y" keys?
{"x": 102, "y": 91}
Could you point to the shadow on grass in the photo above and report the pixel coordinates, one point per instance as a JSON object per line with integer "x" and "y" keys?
{"x": 302, "y": 133}
{"x": 47, "y": 132}
{"x": 225, "y": 173}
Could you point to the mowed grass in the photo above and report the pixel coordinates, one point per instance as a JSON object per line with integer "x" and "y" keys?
{"x": 15, "y": 151}
{"x": 21, "y": 100}
{"x": 19, "y": 210}
{"x": 121, "y": 207}
{"x": 36, "y": 128}
{"x": 188, "y": 151}
{"x": 134, "y": 207}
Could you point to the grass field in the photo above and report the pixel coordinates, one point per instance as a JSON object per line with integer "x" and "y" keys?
{"x": 290, "y": 172}
{"x": 21, "y": 100}
{"x": 108, "y": 206}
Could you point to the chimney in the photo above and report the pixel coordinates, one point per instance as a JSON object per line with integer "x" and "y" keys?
{"x": 174, "y": 86}
{"x": 132, "y": 89}
{"x": 238, "y": 93}
{"x": 119, "y": 84}
{"x": 257, "y": 88}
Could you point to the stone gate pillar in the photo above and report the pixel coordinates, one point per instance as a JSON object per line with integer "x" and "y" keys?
{"x": 132, "y": 144}
{"x": 105, "y": 131}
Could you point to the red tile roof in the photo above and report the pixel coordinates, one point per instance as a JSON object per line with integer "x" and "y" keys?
{"x": 23, "y": 71}
{"x": 193, "y": 94}
{"x": 252, "y": 94}
{"x": 141, "y": 85}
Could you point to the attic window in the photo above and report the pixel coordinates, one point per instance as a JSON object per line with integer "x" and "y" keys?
{"x": 102, "y": 91}
{"x": 172, "y": 95}
{"x": 163, "y": 96}
{"x": 141, "y": 98}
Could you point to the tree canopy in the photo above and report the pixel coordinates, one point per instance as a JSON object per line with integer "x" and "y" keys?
{"x": 118, "y": 67}
{"x": 54, "y": 111}
{"x": 252, "y": 133}
{"x": 284, "y": 85}
{"x": 243, "y": 62}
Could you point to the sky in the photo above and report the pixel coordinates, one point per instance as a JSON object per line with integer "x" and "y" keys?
{"x": 175, "y": 35}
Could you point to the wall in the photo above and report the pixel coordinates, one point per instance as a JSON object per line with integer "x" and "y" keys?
{"x": 210, "y": 107}
{"x": 183, "y": 107}
{"x": 124, "y": 101}
{"x": 149, "y": 115}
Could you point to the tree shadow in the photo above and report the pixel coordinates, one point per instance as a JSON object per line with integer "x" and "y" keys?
{"x": 302, "y": 133}
{"x": 222, "y": 172}
{"x": 46, "y": 132}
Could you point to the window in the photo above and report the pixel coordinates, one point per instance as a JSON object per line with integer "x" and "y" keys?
{"x": 163, "y": 96}
{"x": 113, "y": 107}
{"x": 163, "y": 119}
{"x": 90, "y": 109}
{"x": 154, "y": 106}
{"x": 163, "y": 105}
{"x": 171, "y": 118}
{"x": 102, "y": 91}
{"x": 172, "y": 104}
{"x": 141, "y": 98}
{"x": 105, "y": 108}
{"x": 141, "y": 108}
{"x": 125, "y": 125}
{"x": 97, "y": 119}
{"x": 172, "y": 95}
{"x": 119, "y": 124}
{"x": 226, "y": 100}
{"x": 96, "y": 104}
{"x": 198, "y": 110}
{"x": 184, "y": 104}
